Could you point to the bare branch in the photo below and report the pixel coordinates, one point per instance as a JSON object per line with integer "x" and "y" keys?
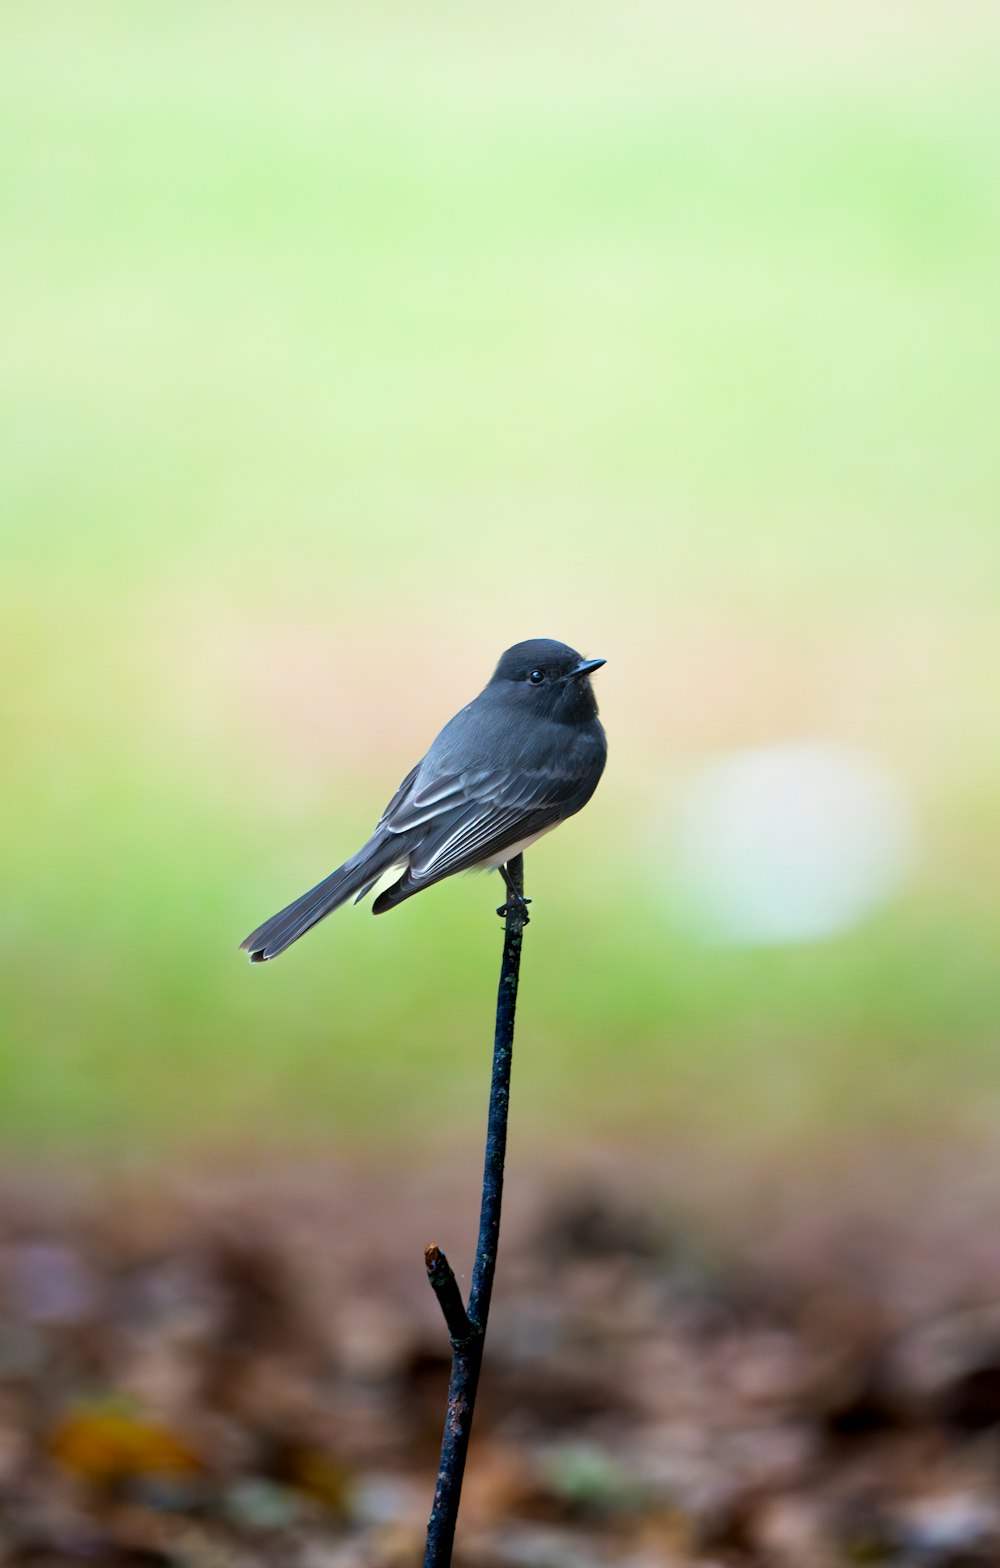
{"x": 467, "y": 1347}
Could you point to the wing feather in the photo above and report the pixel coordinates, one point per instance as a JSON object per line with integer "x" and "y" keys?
{"x": 428, "y": 799}
{"x": 484, "y": 813}
{"x": 472, "y": 839}
{"x": 450, "y": 818}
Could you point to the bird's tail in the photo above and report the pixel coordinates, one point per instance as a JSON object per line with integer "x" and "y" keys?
{"x": 355, "y": 876}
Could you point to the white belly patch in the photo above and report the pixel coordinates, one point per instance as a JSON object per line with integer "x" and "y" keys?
{"x": 516, "y": 849}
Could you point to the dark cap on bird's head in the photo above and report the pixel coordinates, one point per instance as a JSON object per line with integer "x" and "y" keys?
{"x": 551, "y": 676}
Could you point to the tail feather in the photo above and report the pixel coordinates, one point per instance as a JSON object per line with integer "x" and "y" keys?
{"x": 362, "y": 871}
{"x": 391, "y": 896}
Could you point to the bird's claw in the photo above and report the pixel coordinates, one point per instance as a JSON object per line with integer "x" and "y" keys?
{"x": 515, "y": 904}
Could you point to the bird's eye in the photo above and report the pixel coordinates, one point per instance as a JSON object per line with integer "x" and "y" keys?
{"x": 536, "y": 677}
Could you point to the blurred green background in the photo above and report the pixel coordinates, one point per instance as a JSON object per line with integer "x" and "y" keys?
{"x": 341, "y": 348}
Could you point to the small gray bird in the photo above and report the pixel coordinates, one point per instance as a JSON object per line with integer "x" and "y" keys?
{"x": 511, "y": 765}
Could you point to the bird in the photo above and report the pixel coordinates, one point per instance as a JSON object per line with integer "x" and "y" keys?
{"x": 517, "y": 760}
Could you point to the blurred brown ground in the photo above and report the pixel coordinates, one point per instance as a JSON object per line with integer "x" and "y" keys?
{"x": 249, "y": 1368}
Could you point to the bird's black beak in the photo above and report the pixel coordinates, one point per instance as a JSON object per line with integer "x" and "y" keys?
{"x": 585, "y": 667}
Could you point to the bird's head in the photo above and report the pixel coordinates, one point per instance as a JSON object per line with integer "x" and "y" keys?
{"x": 550, "y": 679}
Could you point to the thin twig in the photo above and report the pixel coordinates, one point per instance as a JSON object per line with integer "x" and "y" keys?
{"x": 467, "y": 1345}
{"x": 445, "y": 1287}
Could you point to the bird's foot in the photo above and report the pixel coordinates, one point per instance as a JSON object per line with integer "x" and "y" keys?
{"x": 516, "y": 904}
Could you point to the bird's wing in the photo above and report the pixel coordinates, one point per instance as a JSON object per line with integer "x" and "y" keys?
{"x": 426, "y": 796}
{"x": 459, "y": 820}
{"x": 397, "y": 800}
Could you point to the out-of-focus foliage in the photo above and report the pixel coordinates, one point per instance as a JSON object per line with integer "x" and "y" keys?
{"x": 342, "y": 348}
